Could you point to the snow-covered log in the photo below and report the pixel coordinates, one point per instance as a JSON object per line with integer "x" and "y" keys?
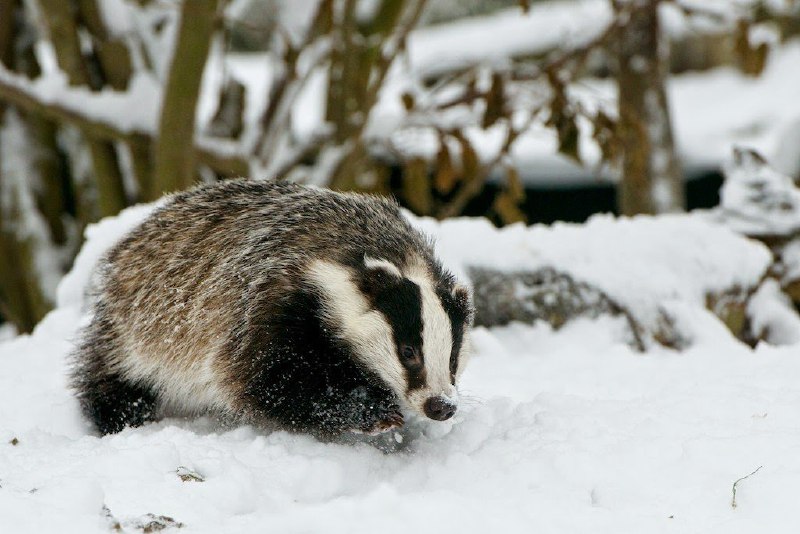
{"x": 658, "y": 273}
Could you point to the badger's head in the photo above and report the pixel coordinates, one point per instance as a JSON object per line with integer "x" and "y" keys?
{"x": 407, "y": 324}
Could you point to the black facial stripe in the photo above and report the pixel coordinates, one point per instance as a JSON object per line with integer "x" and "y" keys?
{"x": 458, "y": 312}
{"x": 401, "y": 304}
{"x": 458, "y": 337}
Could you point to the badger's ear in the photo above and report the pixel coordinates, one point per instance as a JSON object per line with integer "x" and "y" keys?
{"x": 463, "y": 302}
{"x": 377, "y": 264}
{"x": 379, "y": 274}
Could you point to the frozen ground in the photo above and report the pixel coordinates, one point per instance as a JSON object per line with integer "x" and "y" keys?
{"x": 567, "y": 431}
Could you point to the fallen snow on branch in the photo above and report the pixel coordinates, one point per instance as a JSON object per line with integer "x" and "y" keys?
{"x": 133, "y": 111}
{"x": 493, "y": 39}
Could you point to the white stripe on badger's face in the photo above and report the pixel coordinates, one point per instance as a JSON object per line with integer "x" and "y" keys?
{"x": 366, "y": 328}
{"x": 437, "y": 343}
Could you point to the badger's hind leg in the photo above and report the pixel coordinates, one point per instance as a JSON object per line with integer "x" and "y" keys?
{"x": 112, "y": 403}
{"x": 108, "y": 399}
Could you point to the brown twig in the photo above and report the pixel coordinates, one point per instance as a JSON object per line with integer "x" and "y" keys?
{"x": 733, "y": 498}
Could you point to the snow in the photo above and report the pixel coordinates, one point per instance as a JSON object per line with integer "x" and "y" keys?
{"x": 715, "y": 110}
{"x": 117, "y": 16}
{"x": 99, "y": 238}
{"x": 710, "y": 111}
{"x": 255, "y": 70}
{"x": 559, "y": 431}
{"x": 495, "y": 38}
{"x": 7, "y": 332}
{"x": 790, "y": 257}
{"x": 555, "y": 24}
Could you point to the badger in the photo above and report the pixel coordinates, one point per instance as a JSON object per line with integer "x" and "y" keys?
{"x": 277, "y": 304}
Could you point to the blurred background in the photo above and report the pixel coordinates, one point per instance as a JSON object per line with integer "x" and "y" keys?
{"x": 519, "y": 111}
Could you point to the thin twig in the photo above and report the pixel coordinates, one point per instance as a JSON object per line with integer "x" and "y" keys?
{"x": 733, "y": 499}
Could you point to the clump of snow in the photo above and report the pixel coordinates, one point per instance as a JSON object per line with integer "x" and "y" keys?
{"x": 7, "y": 332}
{"x": 790, "y": 261}
{"x": 117, "y": 16}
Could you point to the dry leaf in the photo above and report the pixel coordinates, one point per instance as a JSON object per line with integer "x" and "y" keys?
{"x": 416, "y": 186}
{"x": 446, "y": 175}
{"x": 507, "y": 209}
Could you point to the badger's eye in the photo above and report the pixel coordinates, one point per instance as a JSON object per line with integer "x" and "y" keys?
{"x": 409, "y": 354}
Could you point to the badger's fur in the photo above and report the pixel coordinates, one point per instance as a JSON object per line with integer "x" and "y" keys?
{"x": 273, "y": 303}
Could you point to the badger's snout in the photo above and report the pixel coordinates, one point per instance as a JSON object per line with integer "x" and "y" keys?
{"x": 439, "y": 408}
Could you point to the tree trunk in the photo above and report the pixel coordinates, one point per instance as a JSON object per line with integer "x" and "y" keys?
{"x": 47, "y": 158}
{"x": 7, "y": 8}
{"x": 113, "y": 64}
{"x": 651, "y": 179}
{"x": 22, "y": 298}
{"x": 64, "y": 35}
{"x": 40, "y": 191}
{"x": 174, "y": 149}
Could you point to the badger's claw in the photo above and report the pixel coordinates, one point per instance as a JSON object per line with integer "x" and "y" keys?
{"x": 390, "y": 420}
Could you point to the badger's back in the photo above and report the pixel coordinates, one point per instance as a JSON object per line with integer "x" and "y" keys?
{"x": 182, "y": 291}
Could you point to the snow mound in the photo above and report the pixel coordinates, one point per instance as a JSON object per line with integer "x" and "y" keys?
{"x": 652, "y": 267}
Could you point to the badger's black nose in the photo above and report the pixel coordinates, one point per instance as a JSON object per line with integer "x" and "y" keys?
{"x": 439, "y": 409}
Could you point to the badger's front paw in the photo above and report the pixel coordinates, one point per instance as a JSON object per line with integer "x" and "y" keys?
{"x": 389, "y": 419}
{"x": 373, "y": 411}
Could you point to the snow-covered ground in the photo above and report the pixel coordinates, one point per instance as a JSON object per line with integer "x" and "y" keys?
{"x": 561, "y": 431}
